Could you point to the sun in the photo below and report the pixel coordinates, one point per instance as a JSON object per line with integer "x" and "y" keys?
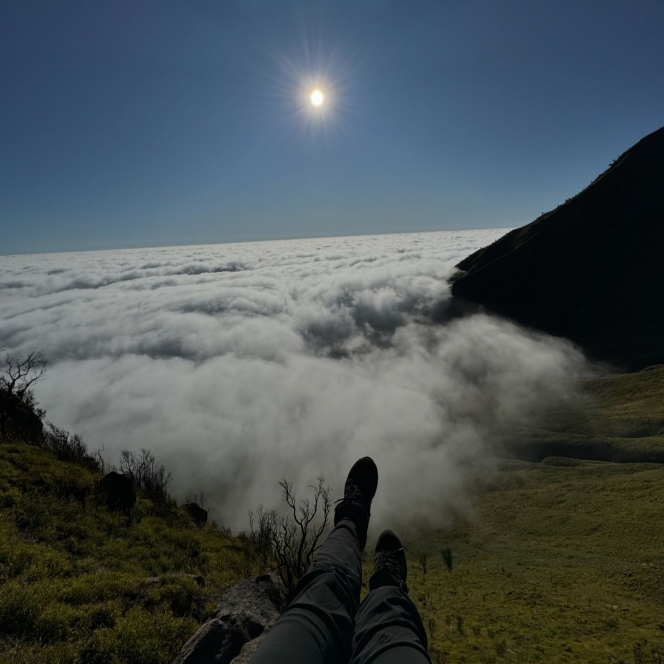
{"x": 317, "y": 97}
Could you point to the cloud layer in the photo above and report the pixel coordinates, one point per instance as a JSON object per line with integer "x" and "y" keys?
{"x": 241, "y": 364}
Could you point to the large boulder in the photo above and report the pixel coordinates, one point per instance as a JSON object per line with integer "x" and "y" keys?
{"x": 243, "y": 616}
{"x": 19, "y": 421}
{"x": 117, "y": 491}
{"x": 196, "y": 513}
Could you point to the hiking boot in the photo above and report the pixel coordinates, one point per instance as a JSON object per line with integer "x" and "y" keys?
{"x": 390, "y": 568}
{"x": 359, "y": 491}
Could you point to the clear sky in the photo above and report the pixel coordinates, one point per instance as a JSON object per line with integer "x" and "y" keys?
{"x": 155, "y": 122}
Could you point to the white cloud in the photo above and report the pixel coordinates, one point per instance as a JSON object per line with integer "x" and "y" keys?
{"x": 240, "y": 364}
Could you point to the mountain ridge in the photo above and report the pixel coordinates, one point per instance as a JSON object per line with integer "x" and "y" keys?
{"x": 591, "y": 269}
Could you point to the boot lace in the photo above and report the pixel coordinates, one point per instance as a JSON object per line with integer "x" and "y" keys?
{"x": 387, "y": 562}
{"x": 352, "y": 496}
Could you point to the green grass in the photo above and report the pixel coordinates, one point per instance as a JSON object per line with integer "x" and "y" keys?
{"x": 618, "y": 418}
{"x": 559, "y": 561}
{"x": 554, "y": 563}
{"x": 77, "y": 581}
{"x": 562, "y": 560}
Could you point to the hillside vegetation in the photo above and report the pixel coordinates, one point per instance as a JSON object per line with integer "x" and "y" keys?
{"x": 560, "y": 561}
{"x": 556, "y": 561}
{"x": 80, "y": 583}
{"x": 619, "y": 418}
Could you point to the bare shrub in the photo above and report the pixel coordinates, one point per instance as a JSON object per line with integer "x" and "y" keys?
{"x": 422, "y": 559}
{"x": 639, "y": 653}
{"x": 67, "y": 446}
{"x": 294, "y": 539}
{"x": 199, "y": 499}
{"x": 151, "y": 478}
{"x": 262, "y": 524}
{"x": 448, "y": 558}
{"x": 17, "y": 376}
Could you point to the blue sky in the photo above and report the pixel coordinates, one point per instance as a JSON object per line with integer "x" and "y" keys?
{"x": 156, "y": 122}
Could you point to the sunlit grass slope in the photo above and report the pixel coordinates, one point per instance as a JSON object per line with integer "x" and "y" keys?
{"x": 77, "y": 582}
{"x": 559, "y": 561}
{"x": 555, "y": 563}
{"x": 618, "y": 418}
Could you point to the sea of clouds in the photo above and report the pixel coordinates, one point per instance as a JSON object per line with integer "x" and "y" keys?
{"x": 240, "y": 364}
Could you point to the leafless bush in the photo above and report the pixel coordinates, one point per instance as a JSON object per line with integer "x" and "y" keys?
{"x": 262, "y": 525}
{"x": 150, "y": 477}
{"x": 423, "y": 562}
{"x": 99, "y": 460}
{"x": 17, "y": 376}
{"x": 199, "y": 499}
{"x": 294, "y": 539}
{"x": 67, "y": 446}
{"x": 448, "y": 558}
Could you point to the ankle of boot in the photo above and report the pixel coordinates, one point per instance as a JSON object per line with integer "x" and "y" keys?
{"x": 359, "y": 518}
{"x": 382, "y": 579}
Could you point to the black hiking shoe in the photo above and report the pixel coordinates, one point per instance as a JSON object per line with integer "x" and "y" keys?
{"x": 359, "y": 491}
{"x": 390, "y": 568}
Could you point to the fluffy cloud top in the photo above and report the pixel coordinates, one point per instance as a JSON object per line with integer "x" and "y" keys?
{"x": 241, "y": 364}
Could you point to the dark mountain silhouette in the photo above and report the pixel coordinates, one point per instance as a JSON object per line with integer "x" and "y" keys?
{"x": 592, "y": 270}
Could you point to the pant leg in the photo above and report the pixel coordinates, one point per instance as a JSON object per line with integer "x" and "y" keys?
{"x": 317, "y": 627}
{"x": 389, "y": 630}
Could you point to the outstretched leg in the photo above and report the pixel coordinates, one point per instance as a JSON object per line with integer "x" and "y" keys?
{"x": 317, "y": 627}
{"x": 388, "y": 628}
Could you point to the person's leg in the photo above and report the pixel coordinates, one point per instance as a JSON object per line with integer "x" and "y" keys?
{"x": 317, "y": 627}
{"x": 388, "y": 627}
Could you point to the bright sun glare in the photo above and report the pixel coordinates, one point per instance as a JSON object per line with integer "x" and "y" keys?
{"x": 317, "y": 98}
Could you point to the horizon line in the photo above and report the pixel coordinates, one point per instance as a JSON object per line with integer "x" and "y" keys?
{"x": 256, "y": 241}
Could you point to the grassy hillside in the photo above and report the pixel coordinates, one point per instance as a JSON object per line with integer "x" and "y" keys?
{"x": 79, "y": 583}
{"x": 558, "y": 561}
{"x": 619, "y": 418}
{"x": 562, "y": 560}
{"x": 555, "y": 563}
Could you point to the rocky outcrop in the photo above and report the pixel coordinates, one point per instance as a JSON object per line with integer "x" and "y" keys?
{"x": 18, "y": 420}
{"x": 591, "y": 270}
{"x": 117, "y": 491}
{"x": 165, "y": 578}
{"x": 196, "y": 513}
{"x": 243, "y": 616}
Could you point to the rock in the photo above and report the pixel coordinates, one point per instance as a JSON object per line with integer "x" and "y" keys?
{"x": 118, "y": 492}
{"x": 196, "y": 513}
{"x": 197, "y": 578}
{"x": 248, "y": 649}
{"x": 19, "y": 420}
{"x": 244, "y": 614}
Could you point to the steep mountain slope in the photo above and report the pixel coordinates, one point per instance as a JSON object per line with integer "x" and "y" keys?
{"x": 592, "y": 270}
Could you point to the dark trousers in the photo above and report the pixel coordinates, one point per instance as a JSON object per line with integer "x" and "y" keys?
{"x": 325, "y": 623}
